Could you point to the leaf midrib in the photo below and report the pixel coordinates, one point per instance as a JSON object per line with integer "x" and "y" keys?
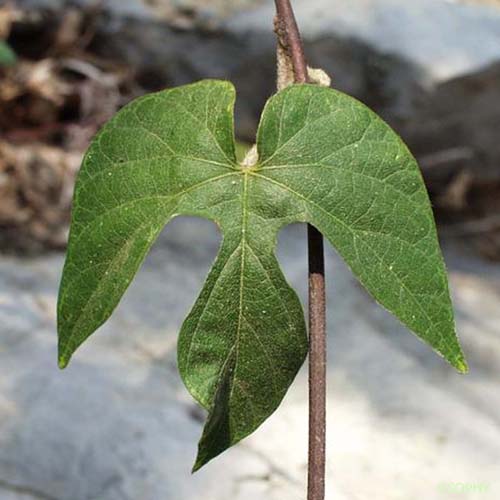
{"x": 244, "y": 223}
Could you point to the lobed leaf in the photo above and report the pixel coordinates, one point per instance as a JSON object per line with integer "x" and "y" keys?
{"x": 325, "y": 159}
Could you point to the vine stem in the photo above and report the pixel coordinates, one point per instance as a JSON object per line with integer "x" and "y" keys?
{"x": 290, "y": 40}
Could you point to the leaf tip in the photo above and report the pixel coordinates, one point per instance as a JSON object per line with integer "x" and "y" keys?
{"x": 205, "y": 455}
{"x": 198, "y": 464}
{"x": 62, "y": 362}
{"x": 62, "y": 358}
{"x": 461, "y": 366}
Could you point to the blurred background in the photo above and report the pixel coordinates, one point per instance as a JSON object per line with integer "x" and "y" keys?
{"x": 118, "y": 424}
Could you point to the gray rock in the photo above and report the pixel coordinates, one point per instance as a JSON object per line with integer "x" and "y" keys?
{"x": 118, "y": 424}
{"x": 444, "y": 38}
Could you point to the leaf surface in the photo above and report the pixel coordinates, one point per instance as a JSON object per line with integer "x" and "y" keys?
{"x": 325, "y": 159}
{"x": 357, "y": 182}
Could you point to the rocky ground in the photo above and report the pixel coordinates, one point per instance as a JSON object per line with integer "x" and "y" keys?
{"x": 118, "y": 424}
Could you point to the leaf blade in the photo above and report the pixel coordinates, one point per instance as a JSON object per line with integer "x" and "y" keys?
{"x": 241, "y": 377}
{"x": 325, "y": 159}
{"x": 360, "y": 186}
{"x": 137, "y": 172}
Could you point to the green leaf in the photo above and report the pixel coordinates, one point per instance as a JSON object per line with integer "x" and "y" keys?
{"x": 355, "y": 180}
{"x": 325, "y": 159}
{"x": 7, "y": 55}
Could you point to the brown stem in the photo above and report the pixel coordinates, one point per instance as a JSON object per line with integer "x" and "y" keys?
{"x": 317, "y": 366}
{"x": 289, "y": 37}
